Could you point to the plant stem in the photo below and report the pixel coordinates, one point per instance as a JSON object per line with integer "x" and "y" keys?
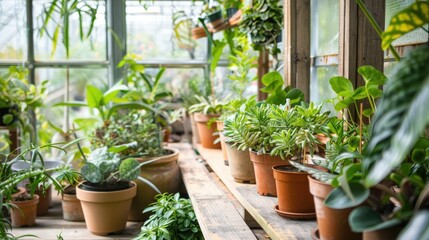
{"x": 376, "y": 27}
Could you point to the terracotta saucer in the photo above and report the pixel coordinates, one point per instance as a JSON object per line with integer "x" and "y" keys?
{"x": 295, "y": 216}
{"x": 315, "y": 234}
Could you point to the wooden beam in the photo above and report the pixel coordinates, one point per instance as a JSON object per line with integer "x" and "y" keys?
{"x": 297, "y": 45}
{"x": 359, "y": 43}
{"x": 263, "y": 68}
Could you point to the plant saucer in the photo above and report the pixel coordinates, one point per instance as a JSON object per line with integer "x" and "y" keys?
{"x": 295, "y": 216}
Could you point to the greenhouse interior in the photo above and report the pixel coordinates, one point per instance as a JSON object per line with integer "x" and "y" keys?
{"x": 214, "y": 119}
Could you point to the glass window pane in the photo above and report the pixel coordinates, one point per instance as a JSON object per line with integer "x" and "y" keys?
{"x": 414, "y": 37}
{"x": 150, "y": 33}
{"x": 324, "y": 27}
{"x": 13, "y": 40}
{"x": 93, "y": 48}
{"x": 79, "y": 78}
{"x": 320, "y": 89}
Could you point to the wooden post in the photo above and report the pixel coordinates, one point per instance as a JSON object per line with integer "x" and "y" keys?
{"x": 297, "y": 45}
{"x": 263, "y": 67}
{"x": 359, "y": 43}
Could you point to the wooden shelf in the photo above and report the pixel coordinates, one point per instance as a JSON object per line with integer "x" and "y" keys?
{"x": 261, "y": 208}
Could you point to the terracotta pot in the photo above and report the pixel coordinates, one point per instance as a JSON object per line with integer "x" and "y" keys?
{"x": 194, "y": 129}
{"x": 19, "y": 191}
{"x": 164, "y": 174}
{"x": 263, "y": 163}
{"x": 240, "y": 165}
{"x": 72, "y": 209}
{"x": 333, "y": 223}
{"x": 26, "y": 214}
{"x": 222, "y": 142}
{"x": 45, "y": 201}
{"x": 294, "y": 198}
{"x": 206, "y": 129}
{"x": 198, "y": 32}
{"x": 383, "y": 234}
{"x": 106, "y": 212}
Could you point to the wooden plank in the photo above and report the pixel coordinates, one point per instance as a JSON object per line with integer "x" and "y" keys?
{"x": 260, "y": 207}
{"x": 297, "y": 45}
{"x": 263, "y": 68}
{"x": 216, "y": 214}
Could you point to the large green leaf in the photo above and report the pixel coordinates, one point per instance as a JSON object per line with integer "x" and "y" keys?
{"x": 110, "y": 94}
{"x": 341, "y": 86}
{"x": 405, "y": 21}
{"x": 129, "y": 169}
{"x": 365, "y": 219}
{"x": 401, "y": 118}
{"x": 339, "y": 199}
{"x": 372, "y": 76}
{"x": 272, "y": 81}
{"x": 93, "y": 96}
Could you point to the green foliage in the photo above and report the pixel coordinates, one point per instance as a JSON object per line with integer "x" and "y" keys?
{"x": 405, "y": 21}
{"x": 182, "y": 27}
{"x": 240, "y": 65}
{"x": 59, "y": 13}
{"x": 264, "y": 22}
{"x": 131, "y": 127}
{"x": 347, "y": 95}
{"x": 277, "y": 93}
{"x": 209, "y": 105}
{"x": 104, "y": 166}
{"x": 173, "y": 218}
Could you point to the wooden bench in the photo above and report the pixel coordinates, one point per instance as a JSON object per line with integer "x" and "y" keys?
{"x": 216, "y": 213}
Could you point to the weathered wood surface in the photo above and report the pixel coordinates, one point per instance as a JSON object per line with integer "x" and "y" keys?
{"x": 218, "y": 217}
{"x": 260, "y": 207}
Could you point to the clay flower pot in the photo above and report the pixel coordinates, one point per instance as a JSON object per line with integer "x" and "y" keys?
{"x": 164, "y": 174}
{"x": 206, "y": 128}
{"x": 72, "y": 209}
{"x": 194, "y": 129}
{"x": 263, "y": 164}
{"x": 222, "y": 141}
{"x": 240, "y": 165}
{"x": 25, "y": 215}
{"x": 106, "y": 212}
{"x": 45, "y": 200}
{"x": 294, "y": 198}
{"x": 333, "y": 223}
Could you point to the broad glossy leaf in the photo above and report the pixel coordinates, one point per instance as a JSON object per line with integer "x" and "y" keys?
{"x": 338, "y": 199}
{"x": 129, "y": 169}
{"x": 365, "y": 219}
{"x": 341, "y": 86}
{"x": 343, "y": 104}
{"x": 374, "y": 91}
{"x": 360, "y": 93}
{"x": 110, "y": 94}
{"x": 412, "y": 73}
{"x": 367, "y": 112}
{"x": 272, "y": 77}
{"x": 405, "y": 21}
{"x": 93, "y": 96}
{"x": 372, "y": 76}
{"x": 90, "y": 172}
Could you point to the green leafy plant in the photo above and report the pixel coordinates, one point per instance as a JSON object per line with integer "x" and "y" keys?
{"x": 132, "y": 127}
{"x": 182, "y": 27}
{"x": 277, "y": 93}
{"x": 210, "y": 105}
{"x": 370, "y": 92}
{"x": 264, "y": 22}
{"x": 173, "y": 218}
{"x": 18, "y": 97}
{"x": 37, "y": 173}
{"x": 241, "y": 64}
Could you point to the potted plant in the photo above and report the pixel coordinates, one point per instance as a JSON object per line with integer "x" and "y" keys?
{"x": 298, "y": 128}
{"x": 141, "y": 129}
{"x": 263, "y": 20}
{"x": 107, "y": 192}
{"x": 175, "y": 215}
{"x": 206, "y": 112}
{"x": 213, "y": 16}
{"x": 19, "y": 214}
{"x": 17, "y": 98}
